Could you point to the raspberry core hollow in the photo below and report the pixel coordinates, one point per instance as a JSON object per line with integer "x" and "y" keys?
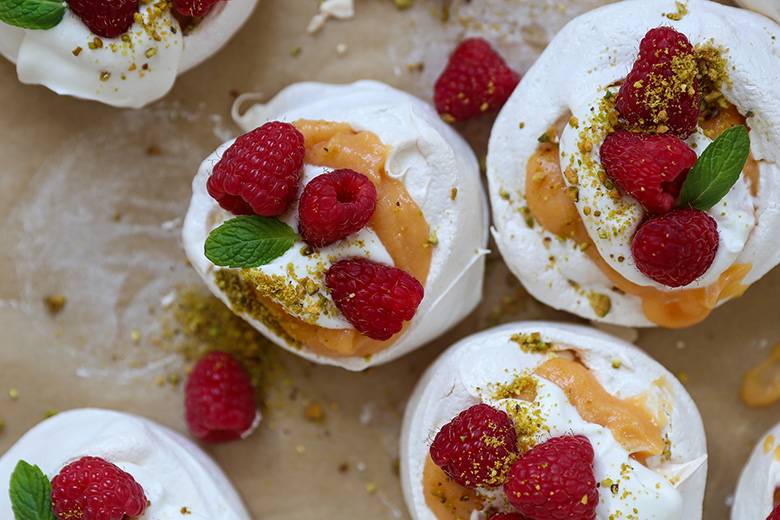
{"x": 565, "y": 227}
{"x": 428, "y": 221}
{"x": 647, "y": 444}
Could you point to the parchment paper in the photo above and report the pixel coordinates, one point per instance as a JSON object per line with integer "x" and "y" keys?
{"x": 91, "y": 200}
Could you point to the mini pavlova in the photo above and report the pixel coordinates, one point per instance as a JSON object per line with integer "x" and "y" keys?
{"x": 348, "y": 224}
{"x": 94, "y": 463}
{"x": 756, "y": 497}
{"x": 541, "y": 420}
{"x": 125, "y": 53}
{"x": 633, "y": 172}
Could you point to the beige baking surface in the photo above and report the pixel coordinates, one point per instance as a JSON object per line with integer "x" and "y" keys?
{"x": 87, "y": 212}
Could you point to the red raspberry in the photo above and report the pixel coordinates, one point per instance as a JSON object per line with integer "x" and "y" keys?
{"x": 260, "y": 171}
{"x": 676, "y": 248}
{"x": 334, "y": 205}
{"x": 219, "y": 400}
{"x": 107, "y": 19}
{"x": 375, "y": 298}
{"x": 477, "y": 447}
{"x": 661, "y": 88}
{"x": 555, "y": 481}
{"x": 775, "y": 514}
{"x": 194, "y": 8}
{"x": 476, "y": 80}
{"x": 649, "y": 167}
{"x": 92, "y": 488}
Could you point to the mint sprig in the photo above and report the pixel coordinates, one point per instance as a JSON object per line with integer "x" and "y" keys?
{"x": 32, "y": 14}
{"x": 249, "y": 241}
{"x": 716, "y": 170}
{"x": 30, "y": 493}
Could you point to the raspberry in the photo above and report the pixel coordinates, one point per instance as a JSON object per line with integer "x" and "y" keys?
{"x": 661, "y": 90}
{"x": 508, "y": 516}
{"x": 475, "y": 80}
{"x": 334, "y": 205}
{"x": 555, "y": 481}
{"x": 219, "y": 401}
{"x": 649, "y": 167}
{"x": 107, "y": 19}
{"x": 260, "y": 171}
{"x": 775, "y": 514}
{"x": 676, "y": 248}
{"x": 92, "y": 488}
{"x": 477, "y": 447}
{"x": 194, "y": 8}
{"x": 375, "y": 298}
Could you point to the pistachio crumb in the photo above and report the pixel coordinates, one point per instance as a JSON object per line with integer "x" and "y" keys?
{"x": 54, "y": 303}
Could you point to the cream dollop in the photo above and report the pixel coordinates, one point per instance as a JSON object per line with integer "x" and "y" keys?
{"x": 669, "y": 487}
{"x": 593, "y": 52}
{"x": 173, "y": 471}
{"x": 760, "y": 478}
{"x": 127, "y": 71}
{"x": 437, "y": 168}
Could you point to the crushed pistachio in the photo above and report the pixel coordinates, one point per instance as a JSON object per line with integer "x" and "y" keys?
{"x": 54, "y": 303}
{"x": 600, "y": 303}
{"x": 531, "y": 342}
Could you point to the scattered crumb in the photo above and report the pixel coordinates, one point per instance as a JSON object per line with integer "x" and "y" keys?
{"x": 314, "y": 413}
{"x": 370, "y": 487}
{"x": 403, "y": 4}
{"x": 54, "y": 303}
{"x": 13, "y": 393}
{"x": 153, "y": 150}
{"x": 682, "y": 377}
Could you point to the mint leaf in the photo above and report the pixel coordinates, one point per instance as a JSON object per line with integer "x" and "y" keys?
{"x": 30, "y": 492}
{"x": 717, "y": 169}
{"x": 32, "y": 14}
{"x": 249, "y": 241}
